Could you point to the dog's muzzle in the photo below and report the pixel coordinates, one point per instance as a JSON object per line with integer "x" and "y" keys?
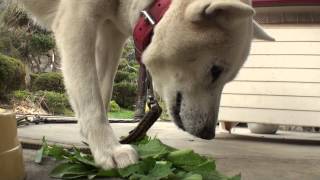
{"x": 207, "y": 132}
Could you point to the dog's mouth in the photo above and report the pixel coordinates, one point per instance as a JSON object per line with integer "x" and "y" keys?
{"x": 176, "y": 109}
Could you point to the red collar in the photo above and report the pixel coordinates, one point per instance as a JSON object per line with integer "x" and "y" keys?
{"x": 143, "y": 31}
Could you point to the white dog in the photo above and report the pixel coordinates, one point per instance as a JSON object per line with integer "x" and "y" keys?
{"x": 197, "y": 47}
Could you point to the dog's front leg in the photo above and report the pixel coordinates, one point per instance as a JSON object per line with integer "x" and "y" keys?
{"x": 76, "y": 33}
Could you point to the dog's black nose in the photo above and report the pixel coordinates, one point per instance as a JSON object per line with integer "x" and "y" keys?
{"x": 207, "y": 133}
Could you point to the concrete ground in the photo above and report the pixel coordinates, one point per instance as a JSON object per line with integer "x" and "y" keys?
{"x": 285, "y": 156}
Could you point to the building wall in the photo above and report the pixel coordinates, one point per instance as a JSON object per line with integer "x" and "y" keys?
{"x": 280, "y": 82}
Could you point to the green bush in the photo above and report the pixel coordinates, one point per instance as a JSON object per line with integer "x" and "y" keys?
{"x": 33, "y": 77}
{"x": 114, "y": 107}
{"x": 133, "y": 77}
{"x": 12, "y": 75}
{"x": 125, "y": 76}
{"x": 128, "y": 66}
{"x": 53, "y": 102}
{"x": 21, "y": 95}
{"x": 48, "y": 82}
{"x": 124, "y": 93}
{"x": 125, "y": 87}
{"x": 13, "y": 15}
{"x": 42, "y": 42}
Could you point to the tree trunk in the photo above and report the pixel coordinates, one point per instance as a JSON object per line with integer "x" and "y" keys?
{"x": 142, "y": 93}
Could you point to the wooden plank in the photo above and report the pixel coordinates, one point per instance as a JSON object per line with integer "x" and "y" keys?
{"x": 297, "y": 118}
{"x": 286, "y": 48}
{"x": 283, "y": 61}
{"x": 277, "y": 3}
{"x": 271, "y": 102}
{"x": 294, "y": 33}
{"x": 285, "y": 75}
{"x": 273, "y": 88}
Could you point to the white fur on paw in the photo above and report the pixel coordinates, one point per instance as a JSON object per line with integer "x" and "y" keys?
{"x": 104, "y": 160}
{"x": 108, "y": 153}
{"x": 119, "y": 157}
{"x": 125, "y": 155}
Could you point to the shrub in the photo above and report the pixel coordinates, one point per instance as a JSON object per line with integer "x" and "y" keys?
{"x": 128, "y": 66}
{"x": 33, "y": 77}
{"x": 122, "y": 65}
{"x": 42, "y": 43}
{"x": 48, "y": 82}
{"x": 12, "y": 75}
{"x": 114, "y": 107}
{"x": 133, "y": 77}
{"x": 13, "y": 15}
{"x": 125, "y": 76}
{"x": 124, "y": 93}
{"x": 53, "y": 102}
{"x": 21, "y": 95}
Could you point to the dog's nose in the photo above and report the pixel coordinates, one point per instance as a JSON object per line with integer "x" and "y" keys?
{"x": 207, "y": 133}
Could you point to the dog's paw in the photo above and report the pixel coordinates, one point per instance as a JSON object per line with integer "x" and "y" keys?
{"x": 108, "y": 153}
{"x": 119, "y": 156}
{"x": 104, "y": 159}
{"x": 125, "y": 155}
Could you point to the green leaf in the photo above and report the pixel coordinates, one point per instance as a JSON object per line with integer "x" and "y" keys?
{"x": 237, "y": 177}
{"x": 92, "y": 176}
{"x": 71, "y": 170}
{"x": 147, "y": 169}
{"x": 57, "y": 152}
{"x": 108, "y": 173}
{"x": 141, "y": 177}
{"x": 74, "y": 176}
{"x": 189, "y": 159}
{"x": 83, "y": 158}
{"x": 162, "y": 169}
{"x": 147, "y": 164}
{"x": 157, "y": 161}
{"x": 154, "y": 148}
{"x": 193, "y": 177}
{"x": 141, "y": 168}
{"x": 192, "y": 162}
{"x": 39, "y": 155}
{"x": 42, "y": 151}
{"x": 183, "y": 175}
{"x": 207, "y": 166}
{"x": 143, "y": 140}
{"x": 130, "y": 170}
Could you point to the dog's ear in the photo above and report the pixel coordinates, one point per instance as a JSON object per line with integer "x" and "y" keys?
{"x": 259, "y": 33}
{"x": 224, "y": 12}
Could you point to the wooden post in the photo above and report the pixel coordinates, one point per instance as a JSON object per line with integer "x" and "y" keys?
{"x": 11, "y": 160}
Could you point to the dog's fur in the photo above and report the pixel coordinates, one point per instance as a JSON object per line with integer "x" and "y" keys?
{"x": 197, "y": 47}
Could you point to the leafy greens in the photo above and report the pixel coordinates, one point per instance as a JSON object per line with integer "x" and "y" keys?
{"x": 157, "y": 161}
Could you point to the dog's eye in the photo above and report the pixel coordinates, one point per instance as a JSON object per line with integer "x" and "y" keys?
{"x": 216, "y": 72}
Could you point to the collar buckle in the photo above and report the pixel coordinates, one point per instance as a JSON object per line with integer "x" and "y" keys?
{"x": 148, "y": 17}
